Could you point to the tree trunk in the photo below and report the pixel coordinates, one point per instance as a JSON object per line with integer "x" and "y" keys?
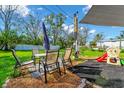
{"x": 6, "y": 46}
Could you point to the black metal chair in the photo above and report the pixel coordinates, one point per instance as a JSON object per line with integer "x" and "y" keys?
{"x": 21, "y": 66}
{"x": 66, "y": 59}
{"x": 36, "y": 59}
{"x": 35, "y": 51}
{"x": 50, "y": 62}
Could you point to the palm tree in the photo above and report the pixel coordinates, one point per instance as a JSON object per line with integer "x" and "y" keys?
{"x": 98, "y": 37}
{"x": 120, "y": 37}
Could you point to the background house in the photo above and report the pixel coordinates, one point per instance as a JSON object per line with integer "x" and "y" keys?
{"x": 110, "y": 43}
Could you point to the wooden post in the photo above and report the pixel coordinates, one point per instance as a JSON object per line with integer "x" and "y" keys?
{"x": 76, "y": 34}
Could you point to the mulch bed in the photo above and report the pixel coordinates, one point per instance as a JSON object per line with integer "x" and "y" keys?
{"x": 68, "y": 80}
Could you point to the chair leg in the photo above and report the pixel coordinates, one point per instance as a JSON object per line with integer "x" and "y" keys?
{"x": 34, "y": 63}
{"x": 64, "y": 67}
{"x": 14, "y": 72}
{"x": 58, "y": 66}
{"x": 39, "y": 66}
{"x": 45, "y": 74}
{"x": 71, "y": 62}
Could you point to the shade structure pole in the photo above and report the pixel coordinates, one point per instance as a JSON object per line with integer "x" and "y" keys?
{"x": 76, "y": 35}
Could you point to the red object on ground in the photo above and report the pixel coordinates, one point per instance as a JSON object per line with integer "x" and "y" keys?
{"x": 102, "y": 58}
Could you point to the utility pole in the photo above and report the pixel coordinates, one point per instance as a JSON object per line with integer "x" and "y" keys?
{"x": 76, "y": 34}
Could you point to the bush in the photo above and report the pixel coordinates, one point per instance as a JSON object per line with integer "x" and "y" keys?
{"x": 9, "y": 39}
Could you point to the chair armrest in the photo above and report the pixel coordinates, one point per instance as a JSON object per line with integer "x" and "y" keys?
{"x": 27, "y": 63}
{"x": 24, "y": 67}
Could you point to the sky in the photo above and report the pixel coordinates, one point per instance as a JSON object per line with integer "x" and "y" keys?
{"x": 68, "y": 11}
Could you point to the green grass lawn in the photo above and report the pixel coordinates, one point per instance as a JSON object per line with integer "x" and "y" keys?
{"x": 95, "y": 53}
{"x": 89, "y": 53}
{"x": 7, "y": 61}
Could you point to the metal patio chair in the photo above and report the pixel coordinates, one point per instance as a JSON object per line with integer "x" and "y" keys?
{"x": 66, "y": 59}
{"x": 35, "y": 51}
{"x": 21, "y": 66}
{"x": 50, "y": 63}
{"x": 36, "y": 59}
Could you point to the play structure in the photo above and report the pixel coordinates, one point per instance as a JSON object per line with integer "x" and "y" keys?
{"x": 102, "y": 58}
{"x": 111, "y": 56}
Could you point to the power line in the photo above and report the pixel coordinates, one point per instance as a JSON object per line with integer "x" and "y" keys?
{"x": 59, "y": 9}
{"x": 49, "y": 9}
{"x": 64, "y": 12}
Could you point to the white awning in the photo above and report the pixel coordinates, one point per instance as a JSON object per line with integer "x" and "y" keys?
{"x": 111, "y": 15}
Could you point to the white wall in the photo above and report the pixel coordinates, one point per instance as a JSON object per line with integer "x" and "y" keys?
{"x": 27, "y": 47}
{"x": 30, "y": 47}
{"x": 111, "y": 43}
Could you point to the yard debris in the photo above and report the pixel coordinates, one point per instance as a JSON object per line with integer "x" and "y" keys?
{"x": 83, "y": 83}
{"x": 91, "y": 85}
{"x": 86, "y": 84}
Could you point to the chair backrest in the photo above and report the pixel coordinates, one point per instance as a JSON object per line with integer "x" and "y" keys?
{"x": 67, "y": 53}
{"x": 18, "y": 63}
{"x": 52, "y": 56}
{"x": 35, "y": 51}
